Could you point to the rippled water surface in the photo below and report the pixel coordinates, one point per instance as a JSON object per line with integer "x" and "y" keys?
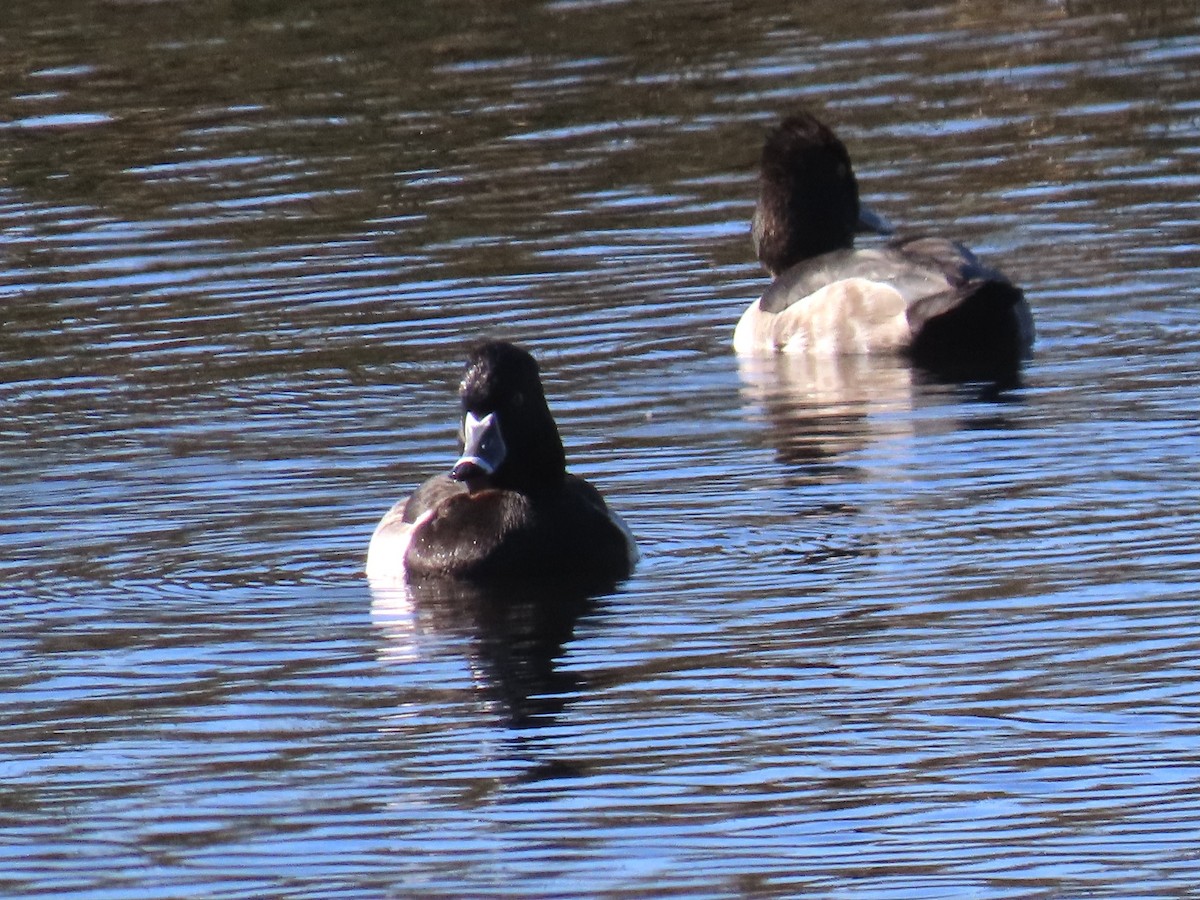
{"x": 888, "y": 637}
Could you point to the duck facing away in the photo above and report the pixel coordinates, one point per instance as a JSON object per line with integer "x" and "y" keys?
{"x": 927, "y": 297}
{"x": 508, "y": 508}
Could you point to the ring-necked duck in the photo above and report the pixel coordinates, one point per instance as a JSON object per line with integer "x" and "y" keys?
{"x": 928, "y": 297}
{"x": 508, "y": 508}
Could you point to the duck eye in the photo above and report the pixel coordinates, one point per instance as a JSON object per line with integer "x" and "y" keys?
{"x": 518, "y": 398}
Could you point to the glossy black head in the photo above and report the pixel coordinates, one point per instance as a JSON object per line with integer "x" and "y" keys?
{"x": 510, "y": 439}
{"x": 808, "y": 196}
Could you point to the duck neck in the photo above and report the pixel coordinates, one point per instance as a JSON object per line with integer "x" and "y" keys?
{"x": 536, "y": 462}
{"x": 786, "y": 232}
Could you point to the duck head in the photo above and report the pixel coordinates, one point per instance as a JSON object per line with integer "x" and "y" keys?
{"x": 808, "y": 196}
{"x": 509, "y": 437}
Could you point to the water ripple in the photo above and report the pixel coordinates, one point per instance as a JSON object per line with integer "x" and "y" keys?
{"x": 888, "y": 637}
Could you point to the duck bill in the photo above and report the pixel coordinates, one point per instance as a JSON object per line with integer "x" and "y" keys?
{"x": 483, "y": 449}
{"x": 873, "y": 222}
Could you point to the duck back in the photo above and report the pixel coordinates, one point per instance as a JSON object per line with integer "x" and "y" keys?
{"x": 497, "y": 534}
{"x": 929, "y": 297}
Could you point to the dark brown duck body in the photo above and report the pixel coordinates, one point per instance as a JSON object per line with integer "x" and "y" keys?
{"x": 509, "y": 509}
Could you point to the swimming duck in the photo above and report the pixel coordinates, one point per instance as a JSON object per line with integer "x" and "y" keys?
{"x": 928, "y": 297}
{"x": 508, "y": 508}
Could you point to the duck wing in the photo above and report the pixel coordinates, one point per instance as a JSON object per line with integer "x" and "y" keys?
{"x": 392, "y": 537}
{"x": 908, "y": 274}
{"x": 435, "y": 490}
{"x": 979, "y": 324}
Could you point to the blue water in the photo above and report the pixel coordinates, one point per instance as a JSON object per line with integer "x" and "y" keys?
{"x": 888, "y": 638}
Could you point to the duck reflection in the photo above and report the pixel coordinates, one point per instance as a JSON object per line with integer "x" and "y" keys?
{"x": 517, "y": 633}
{"x": 821, "y": 409}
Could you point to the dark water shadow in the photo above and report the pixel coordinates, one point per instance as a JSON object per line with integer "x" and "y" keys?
{"x": 516, "y": 634}
{"x": 1000, "y": 384}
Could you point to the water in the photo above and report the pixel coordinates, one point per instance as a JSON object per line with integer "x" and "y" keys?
{"x": 888, "y": 638}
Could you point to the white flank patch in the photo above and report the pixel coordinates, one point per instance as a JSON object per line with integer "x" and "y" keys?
{"x": 853, "y": 316}
{"x": 389, "y": 544}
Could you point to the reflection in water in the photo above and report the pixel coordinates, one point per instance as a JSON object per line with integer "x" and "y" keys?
{"x": 516, "y": 635}
{"x": 821, "y": 409}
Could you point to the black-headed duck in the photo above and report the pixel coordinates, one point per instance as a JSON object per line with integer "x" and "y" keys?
{"x": 508, "y": 508}
{"x": 927, "y": 297}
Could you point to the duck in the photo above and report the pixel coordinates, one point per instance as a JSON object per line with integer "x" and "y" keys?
{"x": 929, "y": 298}
{"x": 508, "y": 508}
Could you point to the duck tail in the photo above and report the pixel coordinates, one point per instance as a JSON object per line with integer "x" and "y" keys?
{"x": 982, "y": 332}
